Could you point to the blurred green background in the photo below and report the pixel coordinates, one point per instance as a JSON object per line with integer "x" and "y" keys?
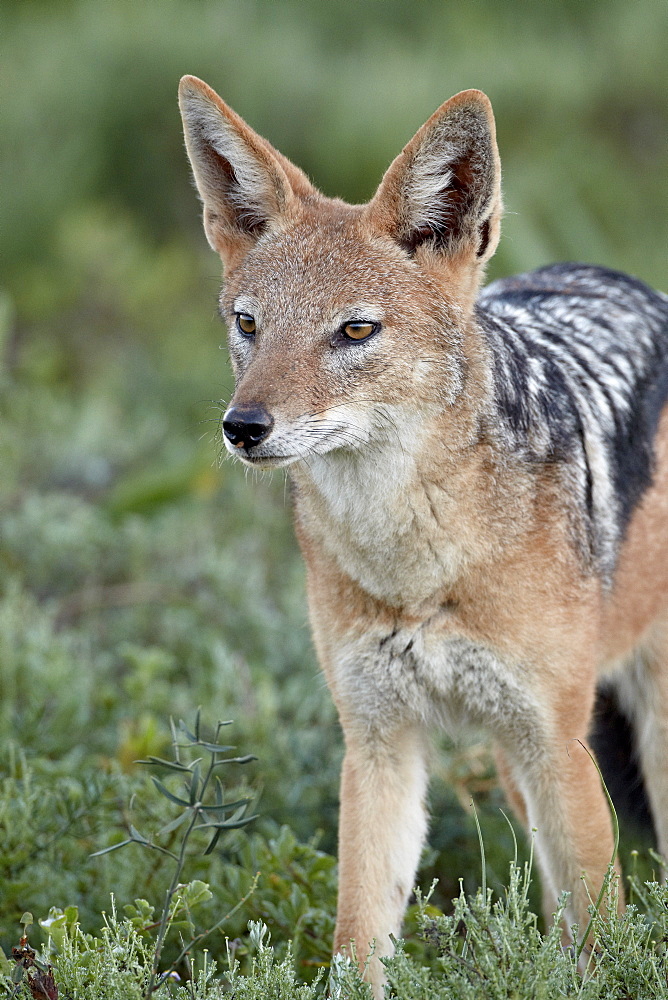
{"x": 138, "y": 579}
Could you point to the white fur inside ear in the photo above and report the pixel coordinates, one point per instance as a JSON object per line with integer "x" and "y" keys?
{"x": 428, "y": 207}
{"x": 450, "y": 182}
{"x": 244, "y": 183}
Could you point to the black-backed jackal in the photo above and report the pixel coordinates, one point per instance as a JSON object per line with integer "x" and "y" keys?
{"x": 480, "y": 486}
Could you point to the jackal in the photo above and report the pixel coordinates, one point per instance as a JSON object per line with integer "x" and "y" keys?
{"x": 480, "y": 487}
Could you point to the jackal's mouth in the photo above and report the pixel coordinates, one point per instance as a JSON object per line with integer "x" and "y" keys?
{"x": 250, "y": 459}
{"x": 251, "y": 434}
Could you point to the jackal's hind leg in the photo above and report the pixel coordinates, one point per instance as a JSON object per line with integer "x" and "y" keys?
{"x": 644, "y": 691}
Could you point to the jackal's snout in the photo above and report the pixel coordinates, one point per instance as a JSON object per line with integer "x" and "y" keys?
{"x": 245, "y": 426}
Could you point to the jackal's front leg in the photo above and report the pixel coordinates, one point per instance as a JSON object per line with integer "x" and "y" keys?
{"x": 566, "y": 807}
{"x": 382, "y": 828}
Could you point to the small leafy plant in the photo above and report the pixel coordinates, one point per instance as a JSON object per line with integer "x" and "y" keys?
{"x": 202, "y": 809}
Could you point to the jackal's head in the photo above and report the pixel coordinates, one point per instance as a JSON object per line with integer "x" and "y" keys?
{"x": 347, "y": 322}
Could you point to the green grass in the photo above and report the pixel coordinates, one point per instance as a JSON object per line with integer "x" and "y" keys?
{"x": 488, "y": 947}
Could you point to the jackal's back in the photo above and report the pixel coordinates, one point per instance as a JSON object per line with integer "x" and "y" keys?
{"x": 580, "y": 363}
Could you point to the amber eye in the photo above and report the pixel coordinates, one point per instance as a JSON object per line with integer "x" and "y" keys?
{"x": 245, "y": 324}
{"x": 359, "y": 330}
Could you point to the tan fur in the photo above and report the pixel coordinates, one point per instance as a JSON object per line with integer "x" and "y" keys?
{"x": 642, "y": 575}
{"x": 444, "y": 582}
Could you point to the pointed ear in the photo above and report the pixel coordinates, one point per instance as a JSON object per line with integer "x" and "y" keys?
{"x": 443, "y": 191}
{"x": 246, "y": 185}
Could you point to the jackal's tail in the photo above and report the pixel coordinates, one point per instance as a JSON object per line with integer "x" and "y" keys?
{"x": 614, "y": 742}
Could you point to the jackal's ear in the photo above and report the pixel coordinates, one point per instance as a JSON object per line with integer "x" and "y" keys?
{"x": 244, "y": 183}
{"x": 443, "y": 191}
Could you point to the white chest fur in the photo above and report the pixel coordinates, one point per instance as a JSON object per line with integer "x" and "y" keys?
{"x": 388, "y": 528}
{"x": 430, "y": 675}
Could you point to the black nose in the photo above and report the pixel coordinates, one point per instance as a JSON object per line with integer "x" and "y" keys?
{"x": 246, "y": 426}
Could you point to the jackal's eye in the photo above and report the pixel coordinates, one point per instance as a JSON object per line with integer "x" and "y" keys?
{"x": 359, "y": 330}
{"x": 245, "y": 324}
